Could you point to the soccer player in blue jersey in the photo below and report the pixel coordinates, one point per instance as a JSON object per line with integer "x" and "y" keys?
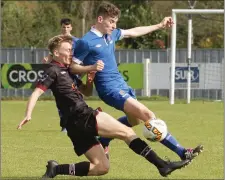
{"x": 99, "y": 44}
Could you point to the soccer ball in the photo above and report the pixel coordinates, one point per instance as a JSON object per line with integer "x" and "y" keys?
{"x": 155, "y": 130}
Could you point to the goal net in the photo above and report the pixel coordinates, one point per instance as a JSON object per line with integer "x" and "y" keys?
{"x": 213, "y": 80}
{"x": 205, "y": 73}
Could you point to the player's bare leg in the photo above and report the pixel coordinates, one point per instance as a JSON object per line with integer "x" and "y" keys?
{"x": 111, "y": 128}
{"x": 98, "y": 165}
{"x": 136, "y": 111}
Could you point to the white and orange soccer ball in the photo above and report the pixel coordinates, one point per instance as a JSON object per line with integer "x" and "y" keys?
{"x": 155, "y": 130}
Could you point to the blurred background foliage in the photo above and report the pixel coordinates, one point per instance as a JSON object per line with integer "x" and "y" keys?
{"x": 32, "y": 23}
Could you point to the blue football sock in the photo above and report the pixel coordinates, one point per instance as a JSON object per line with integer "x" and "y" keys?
{"x": 124, "y": 121}
{"x": 171, "y": 143}
{"x": 106, "y": 141}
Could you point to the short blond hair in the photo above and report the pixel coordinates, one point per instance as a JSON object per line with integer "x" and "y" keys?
{"x": 56, "y": 41}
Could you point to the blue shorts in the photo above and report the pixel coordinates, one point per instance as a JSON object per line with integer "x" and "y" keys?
{"x": 118, "y": 97}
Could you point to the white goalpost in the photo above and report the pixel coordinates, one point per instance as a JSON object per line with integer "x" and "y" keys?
{"x": 173, "y": 47}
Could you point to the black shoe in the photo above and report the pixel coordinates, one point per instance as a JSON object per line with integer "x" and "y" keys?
{"x": 191, "y": 153}
{"x": 51, "y": 169}
{"x": 172, "y": 166}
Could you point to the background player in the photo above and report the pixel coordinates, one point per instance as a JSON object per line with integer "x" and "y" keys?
{"x": 66, "y": 28}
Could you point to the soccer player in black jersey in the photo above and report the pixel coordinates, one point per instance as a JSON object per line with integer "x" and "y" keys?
{"x": 83, "y": 123}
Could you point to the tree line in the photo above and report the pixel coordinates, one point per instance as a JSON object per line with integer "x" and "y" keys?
{"x": 32, "y": 23}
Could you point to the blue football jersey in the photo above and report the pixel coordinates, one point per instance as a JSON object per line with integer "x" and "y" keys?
{"x": 95, "y": 46}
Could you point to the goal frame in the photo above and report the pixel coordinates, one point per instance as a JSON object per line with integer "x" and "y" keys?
{"x": 173, "y": 47}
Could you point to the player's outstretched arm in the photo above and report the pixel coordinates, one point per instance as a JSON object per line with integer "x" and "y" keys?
{"x": 30, "y": 106}
{"x": 167, "y": 22}
{"x": 79, "y": 69}
{"x": 86, "y": 89}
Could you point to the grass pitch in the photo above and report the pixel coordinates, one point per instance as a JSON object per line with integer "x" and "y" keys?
{"x": 25, "y": 152}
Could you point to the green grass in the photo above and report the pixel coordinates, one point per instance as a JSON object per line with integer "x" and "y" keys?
{"x": 25, "y": 152}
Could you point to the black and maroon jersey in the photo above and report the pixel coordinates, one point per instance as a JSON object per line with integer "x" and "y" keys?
{"x": 57, "y": 78}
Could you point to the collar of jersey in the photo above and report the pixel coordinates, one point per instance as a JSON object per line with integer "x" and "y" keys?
{"x": 58, "y": 63}
{"x": 97, "y": 32}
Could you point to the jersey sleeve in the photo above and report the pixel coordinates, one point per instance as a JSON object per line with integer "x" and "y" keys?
{"x": 81, "y": 50}
{"x": 46, "y": 79}
{"x": 117, "y": 34}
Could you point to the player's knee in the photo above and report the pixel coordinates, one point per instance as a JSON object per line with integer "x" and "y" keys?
{"x": 103, "y": 167}
{"x": 143, "y": 113}
{"x": 148, "y": 114}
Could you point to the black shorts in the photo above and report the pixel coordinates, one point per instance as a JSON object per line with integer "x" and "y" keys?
{"x": 82, "y": 129}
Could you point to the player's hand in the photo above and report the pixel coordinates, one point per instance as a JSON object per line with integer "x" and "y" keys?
{"x": 99, "y": 65}
{"x": 24, "y": 121}
{"x": 167, "y": 22}
{"x": 91, "y": 76}
{"x": 47, "y": 59}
